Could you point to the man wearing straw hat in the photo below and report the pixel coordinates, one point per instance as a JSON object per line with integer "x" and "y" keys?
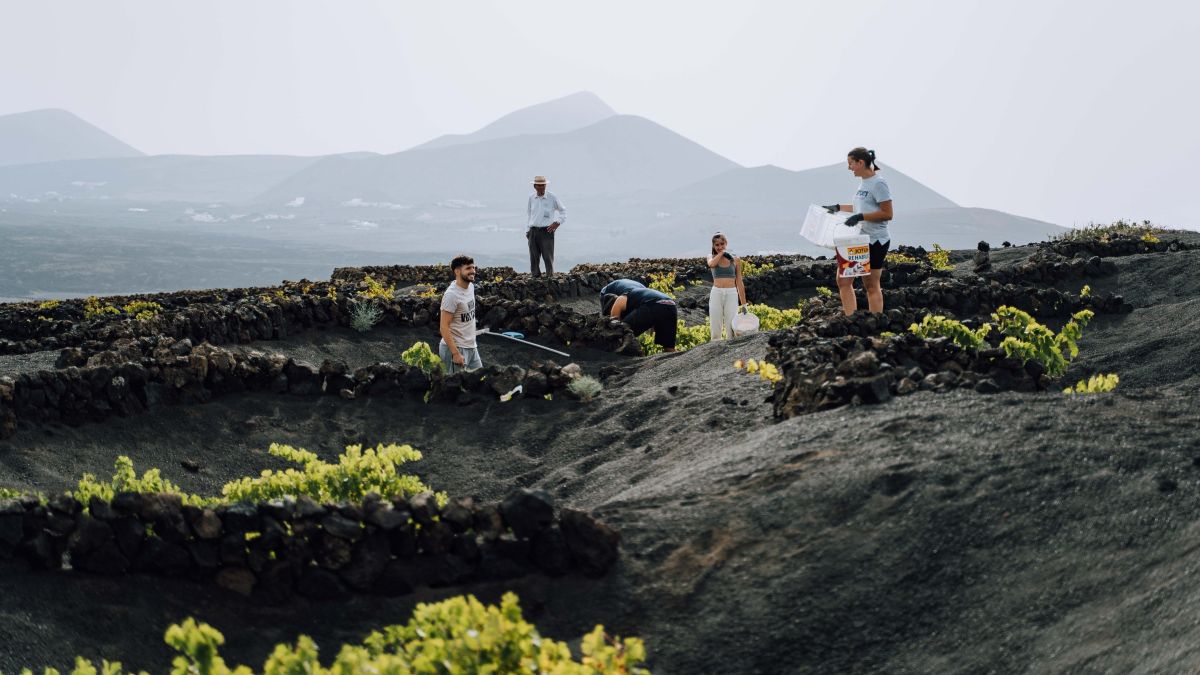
{"x": 541, "y": 222}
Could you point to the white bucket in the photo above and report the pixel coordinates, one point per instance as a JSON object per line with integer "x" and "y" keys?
{"x": 821, "y": 227}
{"x": 744, "y": 323}
{"x": 853, "y": 256}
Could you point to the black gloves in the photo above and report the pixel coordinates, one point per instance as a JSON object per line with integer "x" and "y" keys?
{"x": 854, "y": 220}
{"x": 833, "y": 208}
{"x": 726, "y": 254}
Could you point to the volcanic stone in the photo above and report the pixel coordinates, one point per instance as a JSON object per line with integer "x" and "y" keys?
{"x": 593, "y": 544}
{"x": 528, "y": 511}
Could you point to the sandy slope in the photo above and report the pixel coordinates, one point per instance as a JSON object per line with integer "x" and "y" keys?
{"x": 937, "y": 532}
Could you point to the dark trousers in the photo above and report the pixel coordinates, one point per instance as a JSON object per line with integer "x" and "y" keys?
{"x": 541, "y": 247}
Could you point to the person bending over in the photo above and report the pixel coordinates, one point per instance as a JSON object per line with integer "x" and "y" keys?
{"x": 873, "y": 208}
{"x": 642, "y": 309}
{"x": 457, "y": 346}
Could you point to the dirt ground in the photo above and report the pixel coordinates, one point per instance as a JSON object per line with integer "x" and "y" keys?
{"x": 936, "y": 533}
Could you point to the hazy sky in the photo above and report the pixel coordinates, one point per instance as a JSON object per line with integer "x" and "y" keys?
{"x": 1065, "y": 111}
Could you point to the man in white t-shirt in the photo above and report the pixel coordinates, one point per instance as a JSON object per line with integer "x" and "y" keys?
{"x": 457, "y": 347}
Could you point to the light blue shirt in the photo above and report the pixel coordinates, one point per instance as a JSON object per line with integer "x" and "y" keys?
{"x": 540, "y": 210}
{"x": 871, "y": 193}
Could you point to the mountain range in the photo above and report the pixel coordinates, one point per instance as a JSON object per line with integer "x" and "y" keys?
{"x": 632, "y": 186}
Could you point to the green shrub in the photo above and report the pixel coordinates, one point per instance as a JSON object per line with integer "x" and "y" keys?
{"x": 824, "y": 292}
{"x": 939, "y": 258}
{"x": 376, "y": 289}
{"x": 142, "y": 310}
{"x": 749, "y": 269}
{"x": 770, "y": 318}
{"x": 47, "y": 305}
{"x": 896, "y": 257}
{"x": 456, "y": 636}
{"x": 585, "y": 387}
{"x": 94, "y": 309}
{"x": 686, "y": 337}
{"x": 422, "y": 356}
{"x": 665, "y": 283}
{"x": 1096, "y": 384}
{"x": 9, "y": 493}
{"x": 939, "y": 326}
{"x": 1027, "y": 339}
{"x": 125, "y": 479}
{"x": 1103, "y": 234}
{"x": 356, "y": 473}
{"x": 364, "y": 316}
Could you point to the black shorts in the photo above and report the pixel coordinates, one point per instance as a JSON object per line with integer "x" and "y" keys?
{"x": 879, "y": 254}
{"x": 661, "y": 316}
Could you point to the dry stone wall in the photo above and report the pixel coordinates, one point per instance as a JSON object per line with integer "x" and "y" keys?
{"x": 289, "y": 546}
{"x": 162, "y": 371}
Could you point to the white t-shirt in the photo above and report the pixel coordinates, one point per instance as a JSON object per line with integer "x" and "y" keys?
{"x": 460, "y": 302}
{"x": 871, "y": 192}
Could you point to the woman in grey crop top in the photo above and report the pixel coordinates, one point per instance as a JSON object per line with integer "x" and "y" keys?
{"x": 728, "y": 293}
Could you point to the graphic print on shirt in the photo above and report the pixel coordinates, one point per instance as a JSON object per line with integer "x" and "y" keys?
{"x": 468, "y": 315}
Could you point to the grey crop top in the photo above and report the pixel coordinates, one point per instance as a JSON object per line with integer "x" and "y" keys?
{"x": 729, "y": 272}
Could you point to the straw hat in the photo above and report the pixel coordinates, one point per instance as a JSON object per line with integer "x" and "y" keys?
{"x": 539, "y": 180}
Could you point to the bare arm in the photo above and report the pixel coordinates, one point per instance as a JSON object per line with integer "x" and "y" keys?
{"x": 618, "y": 307}
{"x": 715, "y": 259}
{"x": 448, "y": 337}
{"x": 737, "y": 281}
{"x": 883, "y": 214}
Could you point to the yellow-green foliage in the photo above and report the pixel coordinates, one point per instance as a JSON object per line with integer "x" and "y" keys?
{"x": 765, "y": 370}
{"x": 94, "y": 309}
{"x": 770, "y": 318}
{"x": 1095, "y": 384}
{"x": 749, "y": 269}
{"x": 665, "y": 283}
{"x": 47, "y": 305}
{"x": 1144, "y": 231}
{"x": 939, "y": 326}
{"x": 376, "y": 289}
{"x": 1027, "y": 339}
{"x": 939, "y": 258}
{"x": 125, "y": 479}
{"x": 458, "y": 636}
{"x": 1085, "y": 291}
{"x": 356, "y": 473}
{"x": 9, "y": 493}
{"x": 142, "y": 309}
{"x": 429, "y": 291}
{"x": 895, "y": 257}
{"x": 422, "y": 356}
{"x": 686, "y": 337}
{"x": 331, "y": 292}
{"x": 824, "y": 292}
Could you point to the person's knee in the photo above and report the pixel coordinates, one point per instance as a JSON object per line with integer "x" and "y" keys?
{"x": 845, "y": 282}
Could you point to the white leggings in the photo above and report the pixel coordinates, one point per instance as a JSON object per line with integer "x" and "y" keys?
{"x": 722, "y": 307}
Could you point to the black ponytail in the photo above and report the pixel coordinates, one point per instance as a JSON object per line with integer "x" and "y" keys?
{"x": 864, "y": 155}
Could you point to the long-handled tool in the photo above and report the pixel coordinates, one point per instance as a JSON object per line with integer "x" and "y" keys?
{"x": 514, "y": 338}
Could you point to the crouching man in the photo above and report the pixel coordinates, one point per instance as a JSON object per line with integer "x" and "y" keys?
{"x": 457, "y": 347}
{"x": 642, "y": 309}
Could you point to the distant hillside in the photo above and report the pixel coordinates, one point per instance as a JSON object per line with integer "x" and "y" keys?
{"x": 618, "y": 154}
{"x": 185, "y": 178}
{"x": 51, "y": 135}
{"x": 552, "y": 117}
